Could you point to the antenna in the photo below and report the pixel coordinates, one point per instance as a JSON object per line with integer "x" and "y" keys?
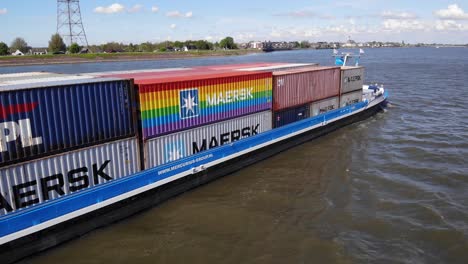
{"x": 69, "y": 22}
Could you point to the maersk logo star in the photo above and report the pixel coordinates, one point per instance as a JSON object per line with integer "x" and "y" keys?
{"x": 189, "y": 103}
{"x": 175, "y": 151}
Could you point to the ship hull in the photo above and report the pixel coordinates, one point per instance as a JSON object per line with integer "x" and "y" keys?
{"x": 66, "y": 230}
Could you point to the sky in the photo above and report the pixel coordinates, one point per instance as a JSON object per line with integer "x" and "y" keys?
{"x": 136, "y": 21}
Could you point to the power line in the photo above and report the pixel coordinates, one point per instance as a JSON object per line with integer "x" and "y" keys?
{"x": 69, "y": 22}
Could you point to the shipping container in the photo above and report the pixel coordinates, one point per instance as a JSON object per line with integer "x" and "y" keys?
{"x": 297, "y": 87}
{"x": 170, "y": 104}
{"x": 279, "y": 67}
{"x": 323, "y": 106}
{"x": 291, "y": 115}
{"x": 352, "y": 79}
{"x": 174, "y": 146}
{"x": 37, "y": 181}
{"x": 350, "y": 98}
{"x": 45, "y": 118}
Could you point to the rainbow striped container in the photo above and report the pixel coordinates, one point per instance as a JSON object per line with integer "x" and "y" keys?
{"x": 177, "y": 103}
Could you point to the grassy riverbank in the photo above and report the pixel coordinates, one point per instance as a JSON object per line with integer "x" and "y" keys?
{"x": 124, "y": 56}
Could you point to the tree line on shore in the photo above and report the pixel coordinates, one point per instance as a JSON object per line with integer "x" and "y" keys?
{"x": 58, "y": 46}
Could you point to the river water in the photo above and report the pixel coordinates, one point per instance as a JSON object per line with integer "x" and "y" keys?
{"x": 391, "y": 189}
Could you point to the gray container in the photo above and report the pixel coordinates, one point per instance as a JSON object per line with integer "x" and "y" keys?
{"x": 324, "y": 106}
{"x": 37, "y": 181}
{"x": 172, "y": 147}
{"x": 352, "y": 79}
{"x": 350, "y": 98}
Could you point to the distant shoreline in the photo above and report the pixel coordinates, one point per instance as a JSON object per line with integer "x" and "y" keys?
{"x": 29, "y": 60}
{"x": 49, "y": 59}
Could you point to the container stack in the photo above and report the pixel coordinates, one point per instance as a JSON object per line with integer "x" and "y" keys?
{"x": 352, "y": 80}
{"x": 304, "y": 92}
{"x": 60, "y": 134}
{"x": 182, "y": 114}
{"x": 63, "y": 133}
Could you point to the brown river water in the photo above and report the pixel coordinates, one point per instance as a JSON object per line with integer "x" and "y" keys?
{"x": 390, "y": 189}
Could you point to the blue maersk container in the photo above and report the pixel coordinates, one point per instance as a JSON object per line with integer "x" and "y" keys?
{"x": 290, "y": 115}
{"x": 48, "y": 117}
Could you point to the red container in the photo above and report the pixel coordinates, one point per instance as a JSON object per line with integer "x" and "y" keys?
{"x": 297, "y": 87}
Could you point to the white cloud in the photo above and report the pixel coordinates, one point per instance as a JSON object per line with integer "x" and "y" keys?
{"x": 174, "y": 14}
{"x": 453, "y": 12}
{"x": 398, "y": 25}
{"x": 245, "y": 36}
{"x": 154, "y": 9}
{"x": 449, "y": 25}
{"x": 276, "y": 33}
{"x": 398, "y": 15}
{"x": 295, "y": 33}
{"x": 173, "y": 26}
{"x": 112, "y": 9}
{"x": 179, "y": 14}
{"x": 3, "y": 11}
{"x": 135, "y": 9}
{"x": 305, "y": 13}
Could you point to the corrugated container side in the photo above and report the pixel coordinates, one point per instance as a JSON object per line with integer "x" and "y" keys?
{"x": 174, "y": 146}
{"x": 350, "y": 98}
{"x": 49, "y": 178}
{"x": 46, "y": 121}
{"x": 300, "y": 87}
{"x": 173, "y": 106}
{"x": 352, "y": 79}
{"x": 291, "y": 115}
{"x": 324, "y": 106}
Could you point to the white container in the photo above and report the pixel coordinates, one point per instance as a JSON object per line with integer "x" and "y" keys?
{"x": 350, "y": 98}
{"x": 352, "y": 79}
{"x": 174, "y": 146}
{"x": 37, "y": 181}
{"x": 323, "y": 106}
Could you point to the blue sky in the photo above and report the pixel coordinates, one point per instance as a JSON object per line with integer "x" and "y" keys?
{"x": 146, "y": 20}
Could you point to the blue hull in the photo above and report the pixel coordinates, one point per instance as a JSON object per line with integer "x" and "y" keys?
{"x": 43, "y": 226}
